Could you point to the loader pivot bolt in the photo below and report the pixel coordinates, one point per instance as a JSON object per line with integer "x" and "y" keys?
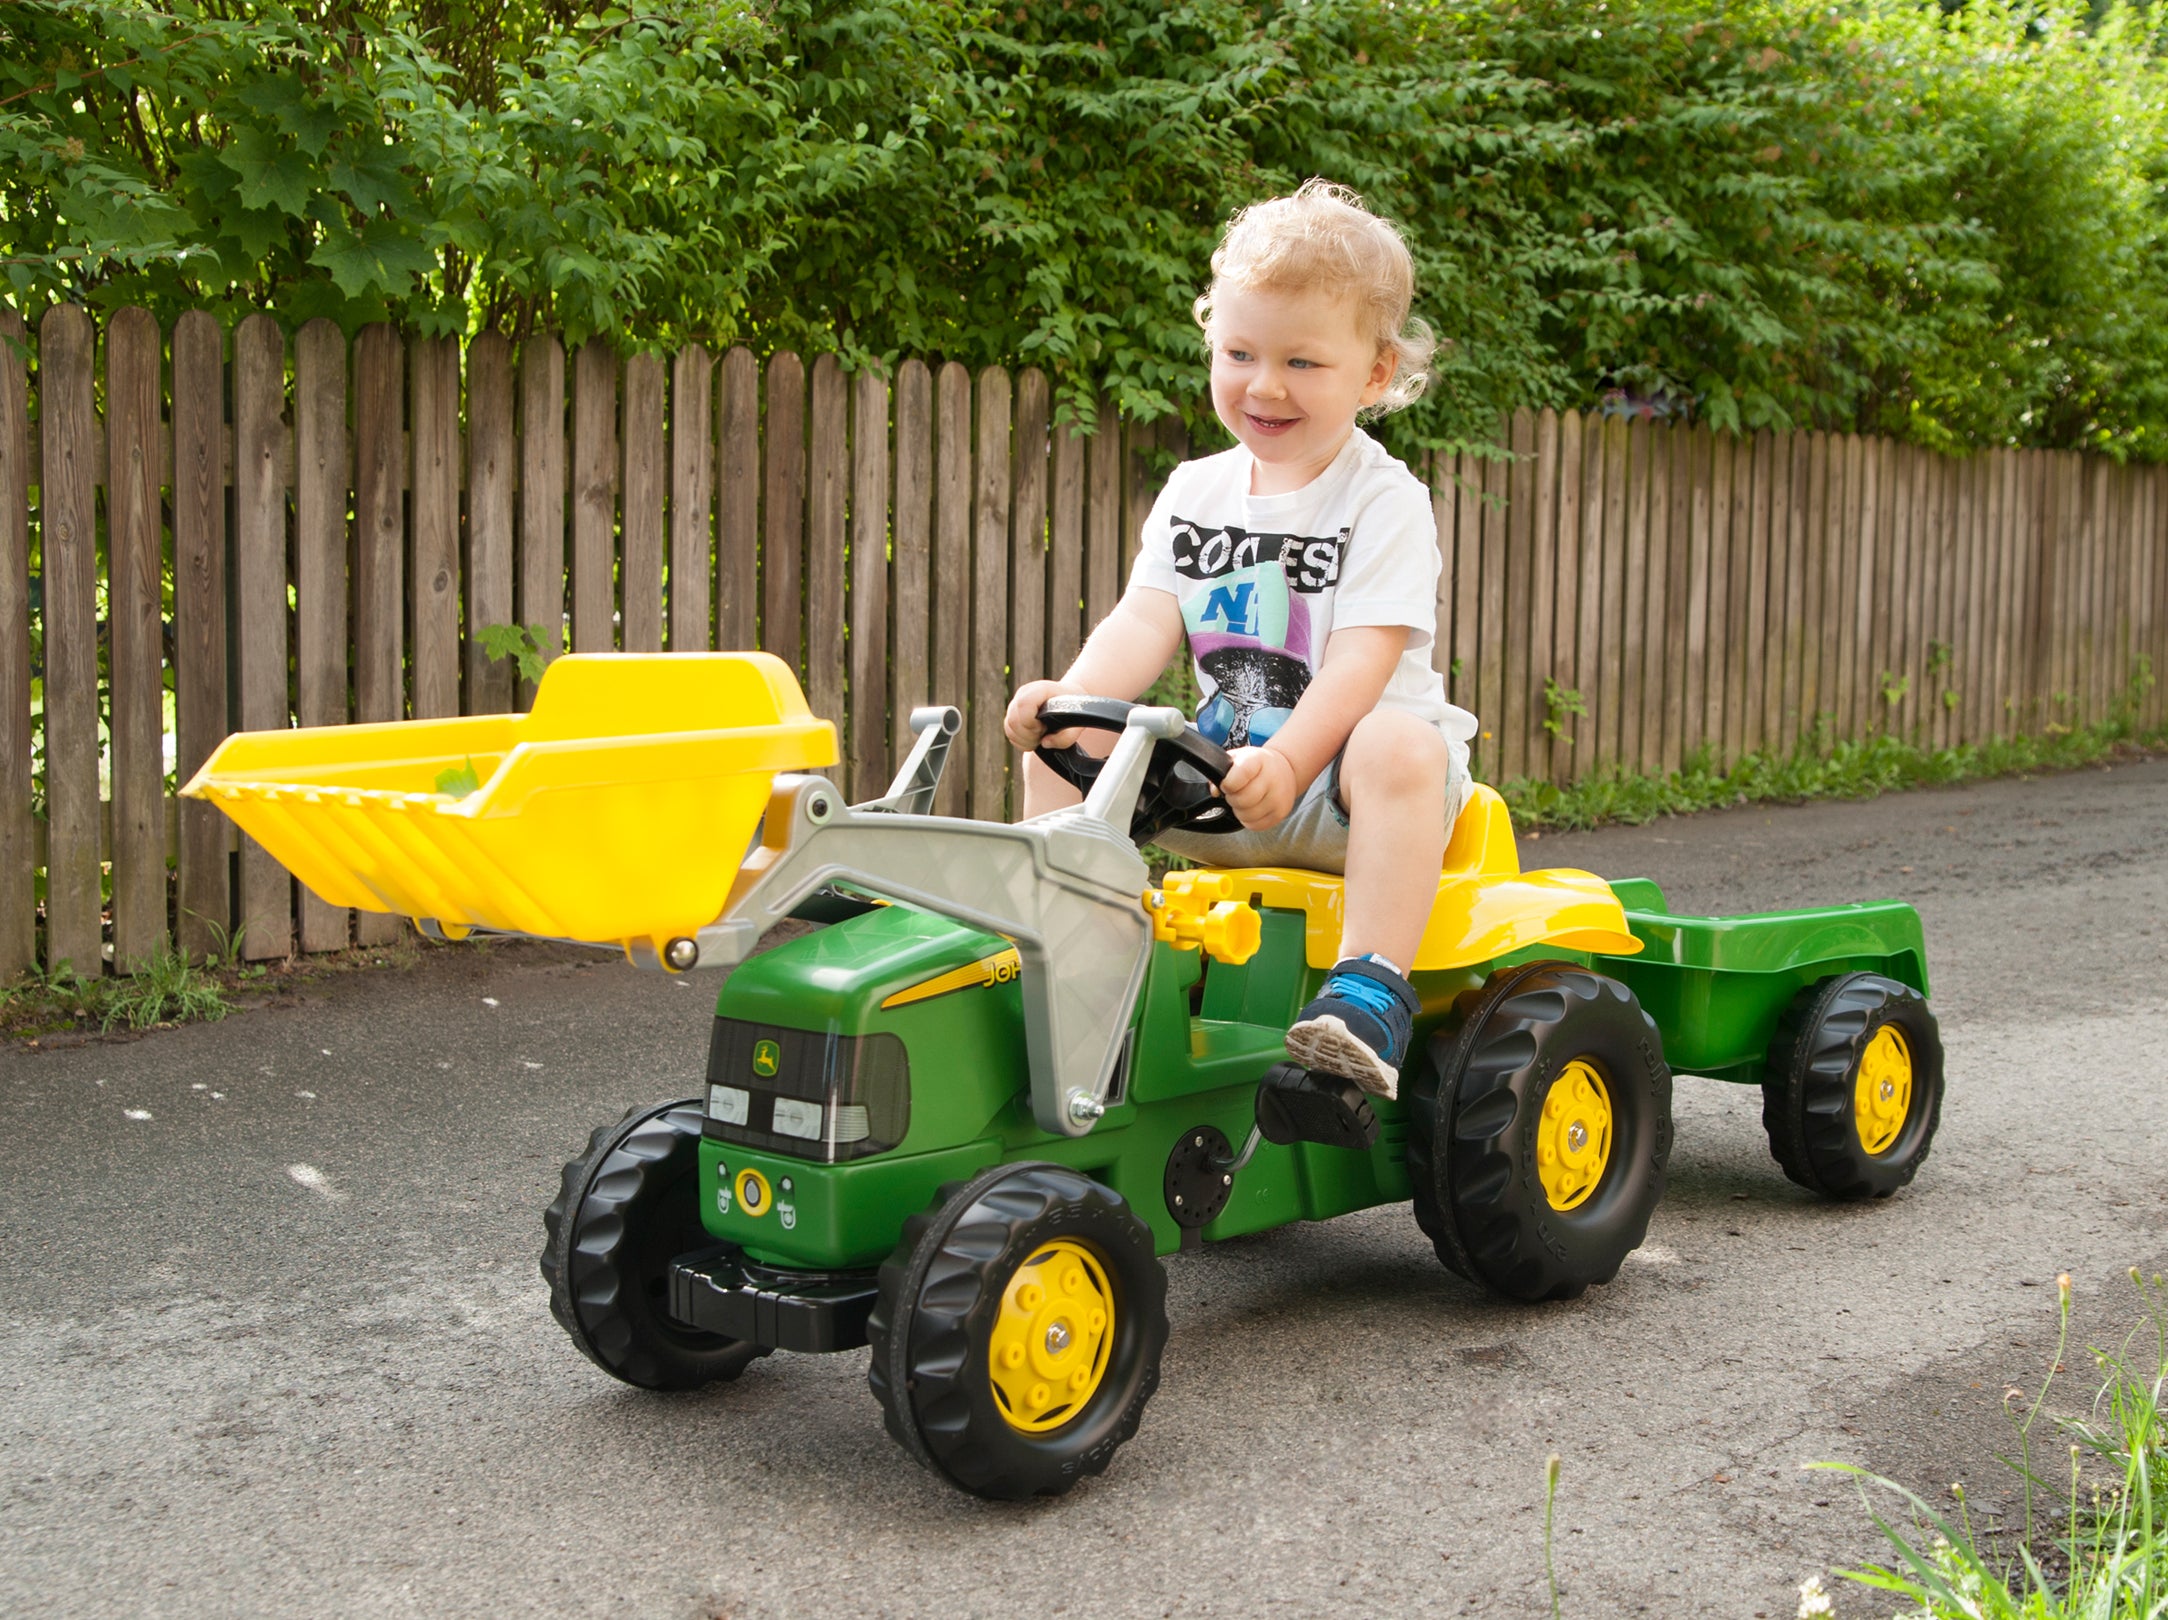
{"x": 681, "y": 953}
{"x": 1084, "y": 1107}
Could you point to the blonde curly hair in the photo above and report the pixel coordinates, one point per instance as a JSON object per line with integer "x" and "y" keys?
{"x": 1323, "y": 237}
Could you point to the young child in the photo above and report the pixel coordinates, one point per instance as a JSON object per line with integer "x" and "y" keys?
{"x": 1302, "y": 567}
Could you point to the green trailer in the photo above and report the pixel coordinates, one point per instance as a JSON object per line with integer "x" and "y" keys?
{"x": 998, "y": 1074}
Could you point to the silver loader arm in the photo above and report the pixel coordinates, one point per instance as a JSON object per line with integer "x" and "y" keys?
{"x": 1066, "y": 887}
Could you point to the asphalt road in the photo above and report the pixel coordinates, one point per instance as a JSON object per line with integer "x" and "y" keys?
{"x": 273, "y": 1341}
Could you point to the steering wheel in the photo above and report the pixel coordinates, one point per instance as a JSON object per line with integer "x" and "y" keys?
{"x": 1178, "y": 779}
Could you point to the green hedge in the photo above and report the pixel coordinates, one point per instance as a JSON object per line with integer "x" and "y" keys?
{"x": 1876, "y": 216}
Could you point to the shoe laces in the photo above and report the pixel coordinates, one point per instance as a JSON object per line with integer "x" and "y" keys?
{"x": 1365, "y": 993}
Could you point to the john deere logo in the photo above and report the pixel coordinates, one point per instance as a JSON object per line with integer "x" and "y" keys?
{"x": 766, "y": 1057}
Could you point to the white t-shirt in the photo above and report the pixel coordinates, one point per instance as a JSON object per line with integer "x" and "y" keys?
{"x": 1264, "y": 580}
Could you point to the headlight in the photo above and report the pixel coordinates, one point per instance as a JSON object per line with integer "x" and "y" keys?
{"x": 807, "y": 1094}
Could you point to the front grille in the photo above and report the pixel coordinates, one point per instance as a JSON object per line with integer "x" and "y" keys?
{"x": 807, "y": 1094}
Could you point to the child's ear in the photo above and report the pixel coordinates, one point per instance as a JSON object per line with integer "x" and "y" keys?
{"x": 1381, "y": 374}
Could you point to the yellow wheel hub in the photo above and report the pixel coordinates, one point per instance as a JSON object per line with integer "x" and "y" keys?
{"x": 1051, "y": 1341}
{"x": 1573, "y": 1139}
{"x": 1882, "y": 1096}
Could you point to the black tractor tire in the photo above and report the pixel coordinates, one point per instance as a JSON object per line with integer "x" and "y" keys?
{"x": 1475, "y": 1104}
{"x": 627, "y": 1207}
{"x": 1809, "y": 1092}
{"x": 941, "y": 1294}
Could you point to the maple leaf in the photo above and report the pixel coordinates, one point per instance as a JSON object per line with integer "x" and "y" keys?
{"x": 273, "y": 173}
{"x": 380, "y": 256}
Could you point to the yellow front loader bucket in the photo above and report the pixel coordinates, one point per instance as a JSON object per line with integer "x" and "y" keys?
{"x": 617, "y": 811}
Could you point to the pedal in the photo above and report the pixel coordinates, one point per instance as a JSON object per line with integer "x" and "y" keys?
{"x": 1295, "y": 1105}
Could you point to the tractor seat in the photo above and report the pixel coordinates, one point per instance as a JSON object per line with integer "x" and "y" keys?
{"x": 1486, "y": 906}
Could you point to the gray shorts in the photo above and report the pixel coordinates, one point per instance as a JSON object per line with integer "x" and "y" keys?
{"x": 1313, "y": 838}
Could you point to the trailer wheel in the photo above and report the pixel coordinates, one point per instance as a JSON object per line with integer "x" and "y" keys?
{"x": 1539, "y": 1127}
{"x": 627, "y": 1207}
{"x": 1853, "y": 1091}
{"x": 1018, "y": 1329}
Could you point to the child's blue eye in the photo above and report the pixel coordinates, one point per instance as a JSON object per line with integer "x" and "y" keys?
{"x": 1239, "y": 356}
{"x": 1306, "y": 364}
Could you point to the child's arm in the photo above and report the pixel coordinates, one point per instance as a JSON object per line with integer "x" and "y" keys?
{"x": 1359, "y": 661}
{"x": 1123, "y": 656}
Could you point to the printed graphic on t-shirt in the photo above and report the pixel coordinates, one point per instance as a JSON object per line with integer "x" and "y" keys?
{"x": 1249, "y": 623}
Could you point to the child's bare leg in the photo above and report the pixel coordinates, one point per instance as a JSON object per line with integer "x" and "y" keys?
{"x": 1392, "y": 780}
{"x": 1044, "y": 791}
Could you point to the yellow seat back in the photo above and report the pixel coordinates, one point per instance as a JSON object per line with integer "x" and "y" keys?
{"x": 1486, "y": 908}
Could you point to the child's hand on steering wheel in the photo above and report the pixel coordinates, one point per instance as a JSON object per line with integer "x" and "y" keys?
{"x": 1261, "y": 787}
{"x": 1021, "y": 722}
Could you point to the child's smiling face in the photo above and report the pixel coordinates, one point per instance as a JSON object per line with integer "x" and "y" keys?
{"x": 1289, "y": 371}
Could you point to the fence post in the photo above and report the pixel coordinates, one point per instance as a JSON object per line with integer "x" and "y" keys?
{"x": 1027, "y": 534}
{"x": 1728, "y": 656}
{"x": 737, "y": 505}
{"x": 1510, "y": 725}
{"x": 641, "y": 505}
{"x": 870, "y": 531}
{"x": 1564, "y": 642}
{"x": 1709, "y": 710}
{"x": 782, "y": 537}
{"x": 67, "y": 513}
{"x": 491, "y": 457}
{"x": 594, "y": 502}
{"x": 1668, "y": 546}
{"x": 259, "y": 591}
{"x": 379, "y": 551}
{"x": 135, "y": 556}
{"x": 322, "y": 474}
{"x": 1102, "y": 517}
{"x": 692, "y": 495}
{"x": 203, "y": 888}
{"x": 989, "y": 685}
{"x": 827, "y": 487}
{"x": 1065, "y": 626}
{"x": 18, "y": 831}
{"x": 542, "y": 495}
{"x": 1589, "y": 594}
{"x": 913, "y": 542}
{"x": 433, "y": 425}
{"x": 949, "y": 589}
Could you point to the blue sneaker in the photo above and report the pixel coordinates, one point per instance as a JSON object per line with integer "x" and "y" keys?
{"x": 1359, "y": 1025}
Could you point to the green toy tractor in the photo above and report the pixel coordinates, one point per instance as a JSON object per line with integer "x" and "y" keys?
{"x": 964, "y": 1114}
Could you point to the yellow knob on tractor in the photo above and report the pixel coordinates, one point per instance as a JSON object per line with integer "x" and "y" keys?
{"x": 754, "y": 1195}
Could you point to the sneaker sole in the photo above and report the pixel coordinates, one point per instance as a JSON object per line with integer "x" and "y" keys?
{"x": 1329, "y": 1046}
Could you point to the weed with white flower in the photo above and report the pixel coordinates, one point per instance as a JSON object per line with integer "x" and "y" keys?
{"x": 2114, "y": 1548}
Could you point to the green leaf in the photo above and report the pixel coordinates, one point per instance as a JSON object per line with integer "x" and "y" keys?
{"x": 272, "y": 172}
{"x": 373, "y": 184}
{"x": 459, "y": 780}
{"x": 380, "y": 257}
{"x": 305, "y": 117}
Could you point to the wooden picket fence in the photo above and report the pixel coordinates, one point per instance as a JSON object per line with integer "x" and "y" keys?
{"x": 315, "y": 532}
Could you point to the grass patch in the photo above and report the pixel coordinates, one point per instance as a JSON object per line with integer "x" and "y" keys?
{"x": 169, "y": 989}
{"x": 2111, "y": 1562}
{"x": 1820, "y": 769}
